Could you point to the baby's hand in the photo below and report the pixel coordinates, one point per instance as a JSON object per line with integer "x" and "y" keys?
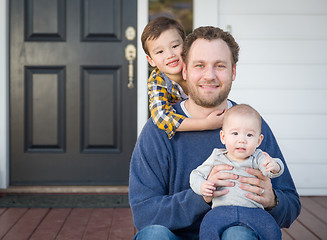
{"x": 215, "y": 120}
{"x": 270, "y": 164}
{"x": 207, "y": 188}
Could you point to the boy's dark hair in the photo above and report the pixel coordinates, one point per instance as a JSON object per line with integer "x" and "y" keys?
{"x": 158, "y": 25}
{"x": 211, "y": 33}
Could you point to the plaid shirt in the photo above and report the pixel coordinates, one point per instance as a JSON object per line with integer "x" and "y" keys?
{"x": 162, "y": 94}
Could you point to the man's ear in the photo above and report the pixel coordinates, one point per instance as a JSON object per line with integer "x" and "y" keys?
{"x": 234, "y": 72}
{"x": 260, "y": 140}
{"x": 222, "y": 136}
{"x": 184, "y": 71}
{"x": 151, "y": 62}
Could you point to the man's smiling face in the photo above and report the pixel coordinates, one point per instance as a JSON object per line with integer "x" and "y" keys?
{"x": 209, "y": 72}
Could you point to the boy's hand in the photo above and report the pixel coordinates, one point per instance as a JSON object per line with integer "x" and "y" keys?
{"x": 215, "y": 120}
{"x": 270, "y": 164}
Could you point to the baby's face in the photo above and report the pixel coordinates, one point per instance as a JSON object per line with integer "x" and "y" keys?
{"x": 241, "y": 136}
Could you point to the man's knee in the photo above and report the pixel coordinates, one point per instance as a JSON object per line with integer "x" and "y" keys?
{"x": 155, "y": 232}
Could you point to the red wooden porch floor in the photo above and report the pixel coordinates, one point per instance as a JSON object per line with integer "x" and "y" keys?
{"x": 117, "y": 223}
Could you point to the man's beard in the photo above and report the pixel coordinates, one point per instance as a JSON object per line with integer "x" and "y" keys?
{"x": 209, "y": 102}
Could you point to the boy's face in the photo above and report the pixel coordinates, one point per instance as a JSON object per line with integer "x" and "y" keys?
{"x": 165, "y": 52}
{"x": 241, "y": 136}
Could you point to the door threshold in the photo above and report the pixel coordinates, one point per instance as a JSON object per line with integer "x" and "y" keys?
{"x": 67, "y": 189}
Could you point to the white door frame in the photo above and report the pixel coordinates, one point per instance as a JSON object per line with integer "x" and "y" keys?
{"x": 4, "y": 93}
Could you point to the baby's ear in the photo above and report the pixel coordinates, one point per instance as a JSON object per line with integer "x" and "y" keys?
{"x": 151, "y": 62}
{"x": 222, "y": 136}
{"x": 260, "y": 139}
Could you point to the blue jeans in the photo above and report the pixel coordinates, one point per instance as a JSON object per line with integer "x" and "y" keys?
{"x": 217, "y": 220}
{"x": 159, "y": 232}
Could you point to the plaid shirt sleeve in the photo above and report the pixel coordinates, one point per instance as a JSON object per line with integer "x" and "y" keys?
{"x": 160, "y": 104}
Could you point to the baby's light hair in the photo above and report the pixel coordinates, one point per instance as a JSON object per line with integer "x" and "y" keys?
{"x": 242, "y": 109}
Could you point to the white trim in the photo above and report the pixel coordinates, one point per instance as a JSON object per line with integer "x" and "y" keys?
{"x": 142, "y": 69}
{"x": 311, "y": 191}
{"x": 4, "y": 93}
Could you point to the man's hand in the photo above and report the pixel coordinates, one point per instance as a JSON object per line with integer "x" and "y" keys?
{"x": 218, "y": 178}
{"x": 260, "y": 188}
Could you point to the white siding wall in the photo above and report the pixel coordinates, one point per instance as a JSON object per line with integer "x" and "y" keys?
{"x": 282, "y": 72}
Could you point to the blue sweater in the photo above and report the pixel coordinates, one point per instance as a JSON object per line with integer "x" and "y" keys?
{"x": 159, "y": 189}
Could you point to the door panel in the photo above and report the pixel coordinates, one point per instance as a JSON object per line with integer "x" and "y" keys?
{"x": 72, "y": 116}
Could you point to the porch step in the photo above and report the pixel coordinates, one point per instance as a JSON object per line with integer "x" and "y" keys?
{"x": 66, "y": 189}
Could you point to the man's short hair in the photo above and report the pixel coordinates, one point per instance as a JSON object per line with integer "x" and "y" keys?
{"x": 211, "y": 33}
{"x": 157, "y": 26}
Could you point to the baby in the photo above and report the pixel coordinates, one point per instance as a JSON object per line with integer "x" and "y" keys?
{"x": 241, "y": 134}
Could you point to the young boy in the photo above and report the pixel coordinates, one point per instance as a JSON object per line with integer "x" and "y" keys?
{"x": 162, "y": 41}
{"x": 241, "y": 134}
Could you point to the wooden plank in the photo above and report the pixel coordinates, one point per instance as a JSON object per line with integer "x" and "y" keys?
{"x": 314, "y": 208}
{"x": 51, "y": 225}
{"x": 299, "y": 232}
{"x": 122, "y": 226}
{"x": 279, "y": 76}
{"x": 283, "y": 52}
{"x": 285, "y": 235}
{"x": 248, "y": 26}
{"x": 99, "y": 225}
{"x": 302, "y": 176}
{"x": 276, "y": 6}
{"x": 75, "y": 224}
{"x": 9, "y": 218}
{"x": 298, "y": 101}
{"x": 26, "y": 224}
{"x": 311, "y": 222}
{"x": 86, "y": 224}
{"x": 321, "y": 200}
{"x": 292, "y": 123}
{"x": 2, "y": 210}
{"x": 290, "y": 149}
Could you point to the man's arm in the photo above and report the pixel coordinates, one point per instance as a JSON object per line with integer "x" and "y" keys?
{"x": 151, "y": 199}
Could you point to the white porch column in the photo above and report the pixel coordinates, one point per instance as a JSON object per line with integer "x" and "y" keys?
{"x": 4, "y": 93}
{"x": 142, "y": 69}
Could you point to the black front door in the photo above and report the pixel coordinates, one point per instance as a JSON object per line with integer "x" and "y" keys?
{"x": 72, "y": 114}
